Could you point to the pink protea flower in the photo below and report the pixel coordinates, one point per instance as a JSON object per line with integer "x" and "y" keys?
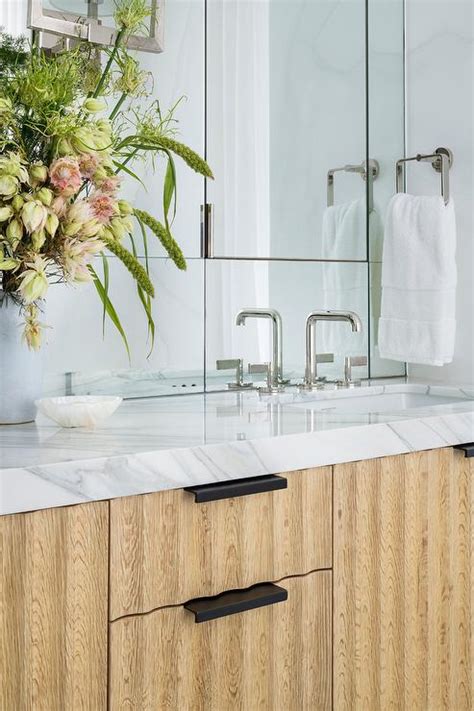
{"x": 65, "y": 175}
{"x": 77, "y": 255}
{"x": 88, "y": 164}
{"x": 110, "y": 185}
{"x": 58, "y": 206}
{"x": 104, "y": 207}
{"x": 80, "y": 211}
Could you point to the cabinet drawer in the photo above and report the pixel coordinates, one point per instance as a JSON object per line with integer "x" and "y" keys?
{"x": 274, "y": 658}
{"x": 166, "y": 548}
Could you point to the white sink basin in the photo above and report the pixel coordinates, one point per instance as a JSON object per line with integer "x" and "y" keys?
{"x": 393, "y": 399}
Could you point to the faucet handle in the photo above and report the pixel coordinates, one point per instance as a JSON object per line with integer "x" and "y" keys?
{"x": 261, "y": 368}
{"x": 325, "y": 358}
{"x": 236, "y": 364}
{"x": 267, "y": 369}
{"x": 229, "y": 363}
{"x": 349, "y": 363}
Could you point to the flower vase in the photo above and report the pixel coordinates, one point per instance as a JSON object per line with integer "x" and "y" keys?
{"x": 20, "y": 367}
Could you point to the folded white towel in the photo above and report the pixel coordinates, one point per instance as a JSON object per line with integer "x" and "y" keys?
{"x": 417, "y": 322}
{"x": 344, "y": 283}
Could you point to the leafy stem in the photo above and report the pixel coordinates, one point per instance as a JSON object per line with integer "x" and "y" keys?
{"x": 110, "y": 61}
{"x": 117, "y": 107}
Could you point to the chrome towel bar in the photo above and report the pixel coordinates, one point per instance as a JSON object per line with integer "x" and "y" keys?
{"x": 441, "y": 160}
{"x": 349, "y": 168}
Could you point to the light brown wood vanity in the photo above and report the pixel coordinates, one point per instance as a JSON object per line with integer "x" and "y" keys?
{"x": 376, "y": 558}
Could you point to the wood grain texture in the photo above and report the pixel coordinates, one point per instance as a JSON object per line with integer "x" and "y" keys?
{"x": 166, "y": 549}
{"x": 404, "y": 583}
{"x": 275, "y": 658}
{"x": 53, "y": 609}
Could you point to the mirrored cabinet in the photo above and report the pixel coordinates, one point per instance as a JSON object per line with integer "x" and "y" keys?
{"x": 286, "y": 105}
{"x": 298, "y": 106}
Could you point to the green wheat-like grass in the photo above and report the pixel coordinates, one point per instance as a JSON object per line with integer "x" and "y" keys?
{"x": 168, "y": 242}
{"x": 190, "y": 157}
{"x": 132, "y": 264}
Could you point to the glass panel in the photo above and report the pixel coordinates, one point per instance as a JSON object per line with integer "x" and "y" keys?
{"x": 294, "y": 289}
{"x": 96, "y": 8}
{"x": 386, "y": 105}
{"x": 387, "y": 142}
{"x": 177, "y": 75}
{"x": 78, "y": 360}
{"x": 286, "y": 104}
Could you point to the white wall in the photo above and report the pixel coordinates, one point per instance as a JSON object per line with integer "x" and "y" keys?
{"x": 440, "y": 112}
{"x": 13, "y": 16}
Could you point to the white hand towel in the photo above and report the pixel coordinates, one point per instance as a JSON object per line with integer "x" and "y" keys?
{"x": 343, "y": 231}
{"x": 344, "y": 283}
{"x": 418, "y": 322}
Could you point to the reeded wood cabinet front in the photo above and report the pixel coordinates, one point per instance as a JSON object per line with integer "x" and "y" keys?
{"x": 166, "y": 549}
{"x": 404, "y": 583}
{"x": 53, "y": 609}
{"x": 377, "y": 557}
{"x": 275, "y": 658}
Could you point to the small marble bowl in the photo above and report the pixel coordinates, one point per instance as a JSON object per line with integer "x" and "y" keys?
{"x": 78, "y": 411}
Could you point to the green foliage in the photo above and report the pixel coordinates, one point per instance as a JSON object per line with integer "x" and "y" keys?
{"x": 49, "y": 106}
{"x": 171, "y": 246}
{"x": 131, "y": 14}
{"x": 132, "y": 264}
{"x": 109, "y": 308}
{"x": 190, "y": 157}
{"x": 13, "y": 55}
{"x": 47, "y": 84}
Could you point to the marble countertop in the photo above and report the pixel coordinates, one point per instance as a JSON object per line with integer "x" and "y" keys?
{"x": 163, "y": 443}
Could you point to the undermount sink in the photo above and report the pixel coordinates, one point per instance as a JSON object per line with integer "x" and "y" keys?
{"x": 394, "y": 399}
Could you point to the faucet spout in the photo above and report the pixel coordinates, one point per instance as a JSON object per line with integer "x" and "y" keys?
{"x": 277, "y": 336}
{"x": 311, "y": 369}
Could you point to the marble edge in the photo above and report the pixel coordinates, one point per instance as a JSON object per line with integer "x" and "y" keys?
{"x": 102, "y": 478}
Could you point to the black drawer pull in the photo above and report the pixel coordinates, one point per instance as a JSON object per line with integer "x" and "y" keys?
{"x": 230, "y": 603}
{"x": 468, "y": 449}
{"x": 236, "y": 487}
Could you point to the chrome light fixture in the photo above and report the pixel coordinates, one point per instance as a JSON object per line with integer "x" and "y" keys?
{"x": 90, "y": 20}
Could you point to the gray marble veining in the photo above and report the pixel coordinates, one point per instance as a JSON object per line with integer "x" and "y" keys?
{"x": 163, "y": 443}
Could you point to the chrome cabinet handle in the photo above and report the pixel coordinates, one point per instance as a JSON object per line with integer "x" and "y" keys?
{"x": 207, "y": 231}
{"x": 235, "y": 601}
{"x": 237, "y": 487}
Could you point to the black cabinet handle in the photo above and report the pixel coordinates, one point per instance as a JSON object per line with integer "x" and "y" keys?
{"x": 230, "y": 603}
{"x": 236, "y": 487}
{"x": 468, "y": 448}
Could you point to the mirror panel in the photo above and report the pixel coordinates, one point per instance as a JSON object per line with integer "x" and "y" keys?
{"x": 94, "y": 21}
{"x": 293, "y": 289}
{"x": 387, "y": 141}
{"x": 286, "y": 104}
{"x": 77, "y": 360}
{"x": 264, "y": 128}
{"x": 177, "y": 77}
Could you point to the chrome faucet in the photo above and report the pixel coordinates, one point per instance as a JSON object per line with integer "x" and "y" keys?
{"x": 311, "y": 379}
{"x": 277, "y": 339}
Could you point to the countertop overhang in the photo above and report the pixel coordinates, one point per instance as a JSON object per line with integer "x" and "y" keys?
{"x": 171, "y": 442}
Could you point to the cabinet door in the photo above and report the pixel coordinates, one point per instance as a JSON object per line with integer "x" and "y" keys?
{"x": 53, "y": 609}
{"x": 286, "y": 88}
{"x": 274, "y": 658}
{"x": 404, "y": 583}
{"x": 165, "y": 548}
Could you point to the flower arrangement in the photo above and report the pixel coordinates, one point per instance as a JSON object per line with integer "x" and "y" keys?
{"x": 63, "y": 153}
